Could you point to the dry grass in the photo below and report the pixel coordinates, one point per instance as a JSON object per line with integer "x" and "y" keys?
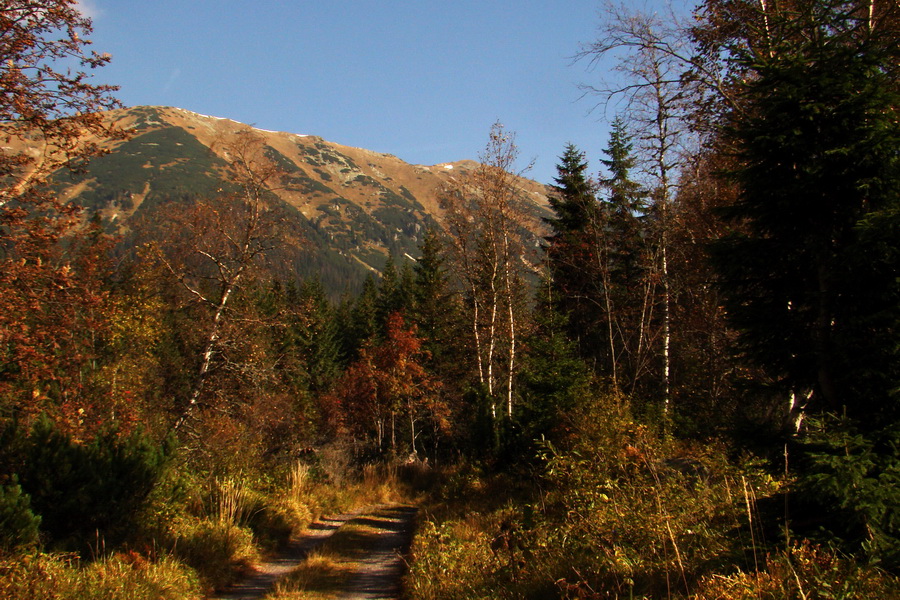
{"x": 324, "y": 574}
{"x": 321, "y": 577}
{"x": 119, "y": 577}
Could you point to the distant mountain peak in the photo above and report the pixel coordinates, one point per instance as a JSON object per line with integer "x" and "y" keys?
{"x": 355, "y": 206}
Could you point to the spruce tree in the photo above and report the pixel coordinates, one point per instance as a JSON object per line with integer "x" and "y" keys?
{"x": 819, "y": 181}
{"x": 570, "y": 245}
{"x": 363, "y": 325}
{"x": 554, "y": 378}
{"x": 388, "y": 299}
{"x": 624, "y": 206}
{"x": 624, "y": 256}
{"x": 810, "y": 272}
{"x": 572, "y": 199}
{"x": 432, "y": 298}
{"x": 319, "y": 337}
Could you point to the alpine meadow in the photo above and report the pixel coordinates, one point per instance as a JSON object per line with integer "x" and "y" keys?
{"x": 240, "y": 363}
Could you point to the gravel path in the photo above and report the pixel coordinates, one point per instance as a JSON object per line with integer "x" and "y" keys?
{"x": 378, "y": 558}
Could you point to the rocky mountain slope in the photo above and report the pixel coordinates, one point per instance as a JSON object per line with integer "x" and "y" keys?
{"x": 353, "y": 206}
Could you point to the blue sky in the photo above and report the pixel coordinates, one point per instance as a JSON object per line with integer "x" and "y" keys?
{"x": 423, "y": 80}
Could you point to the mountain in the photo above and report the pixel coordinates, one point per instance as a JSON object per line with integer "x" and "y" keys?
{"x": 353, "y": 206}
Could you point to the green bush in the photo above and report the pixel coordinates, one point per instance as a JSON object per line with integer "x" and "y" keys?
{"x": 82, "y": 491}
{"x": 852, "y": 481}
{"x": 18, "y": 525}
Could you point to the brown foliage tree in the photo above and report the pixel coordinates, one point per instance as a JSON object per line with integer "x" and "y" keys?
{"x": 50, "y": 292}
{"x": 389, "y": 381}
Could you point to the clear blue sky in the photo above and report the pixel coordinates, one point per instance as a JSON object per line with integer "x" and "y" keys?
{"x": 420, "y": 79}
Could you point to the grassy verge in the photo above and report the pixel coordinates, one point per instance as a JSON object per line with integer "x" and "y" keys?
{"x": 222, "y": 527}
{"x": 199, "y": 532}
{"x": 119, "y": 577}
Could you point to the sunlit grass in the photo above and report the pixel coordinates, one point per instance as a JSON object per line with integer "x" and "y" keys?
{"x": 322, "y": 576}
{"x": 119, "y": 577}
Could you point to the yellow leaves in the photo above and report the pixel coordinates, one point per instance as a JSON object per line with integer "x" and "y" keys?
{"x": 135, "y": 321}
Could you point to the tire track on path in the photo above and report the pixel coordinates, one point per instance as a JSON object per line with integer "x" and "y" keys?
{"x": 374, "y": 552}
{"x": 269, "y": 572}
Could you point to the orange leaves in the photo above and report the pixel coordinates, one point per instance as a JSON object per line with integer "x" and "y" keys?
{"x": 52, "y": 302}
{"x": 387, "y": 380}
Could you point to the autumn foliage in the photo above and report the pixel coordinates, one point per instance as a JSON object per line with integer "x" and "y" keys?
{"x": 388, "y": 390}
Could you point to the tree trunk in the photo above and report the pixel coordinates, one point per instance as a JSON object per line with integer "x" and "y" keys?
{"x": 206, "y": 360}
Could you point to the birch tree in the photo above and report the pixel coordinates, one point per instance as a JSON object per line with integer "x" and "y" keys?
{"x": 653, "y": 57}
{"x": 483, "y": 216}
{"x": 223, "y": 239}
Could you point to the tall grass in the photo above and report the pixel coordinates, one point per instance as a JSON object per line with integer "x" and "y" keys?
{"x": 298, "y": 481}
{"x": 119, "y": 577}
{"x": 232, "y": 501}
{"x": 623, "y": 512}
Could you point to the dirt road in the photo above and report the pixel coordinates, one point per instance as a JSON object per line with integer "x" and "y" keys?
{"x": 365, "y": 551}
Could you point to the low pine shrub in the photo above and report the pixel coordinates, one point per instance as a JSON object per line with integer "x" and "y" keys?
{"x": 18, "y": 524}
{"x": 85, "y": 491}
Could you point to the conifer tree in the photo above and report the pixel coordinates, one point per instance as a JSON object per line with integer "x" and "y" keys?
{"x": 433, "y": 305}
{"x": 363, "y": 325}
{"x": 573, "y": 195}
{"x": 319, "y": 337}
{"x": 623, "y": 258}
{"x": 388, "y": 290}
{"x": 569, "y": 246}
{"x": 554, "y": 376}
{"x": 394, "y": 290}
{"x": 816, "y": 137}
{"x": 810, "y": 270}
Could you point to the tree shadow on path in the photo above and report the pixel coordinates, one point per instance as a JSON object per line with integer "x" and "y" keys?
{"x": 360, "y": 555}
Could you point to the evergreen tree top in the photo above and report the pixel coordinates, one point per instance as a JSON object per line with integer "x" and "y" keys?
{"x": 573, "y": 195}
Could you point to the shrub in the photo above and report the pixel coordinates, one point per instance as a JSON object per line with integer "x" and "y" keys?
{"x": 219, "y": 551}
{"x": 807, "y": 571}
{"x": 82, "y": 490}
{"x": 18, "y": 525}
{"x": 272, "y": 525}
{"x": 853, "y": 480}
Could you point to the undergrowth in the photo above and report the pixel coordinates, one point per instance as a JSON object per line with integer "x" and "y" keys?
{"x": 619, "y": 510}
{"x": 197, "y": 531}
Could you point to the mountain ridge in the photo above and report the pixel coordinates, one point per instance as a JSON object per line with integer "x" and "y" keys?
{"x": 355, "y": 206}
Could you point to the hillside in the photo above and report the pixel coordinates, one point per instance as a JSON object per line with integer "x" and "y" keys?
{"x": 353, "y": 206}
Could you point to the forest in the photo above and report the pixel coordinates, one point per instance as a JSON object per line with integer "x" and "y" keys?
{"x": 689, "y": 390}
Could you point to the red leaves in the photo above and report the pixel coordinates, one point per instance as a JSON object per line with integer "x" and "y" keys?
{"x": 51, "y": 293}
{"x": 388, "y": 379}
